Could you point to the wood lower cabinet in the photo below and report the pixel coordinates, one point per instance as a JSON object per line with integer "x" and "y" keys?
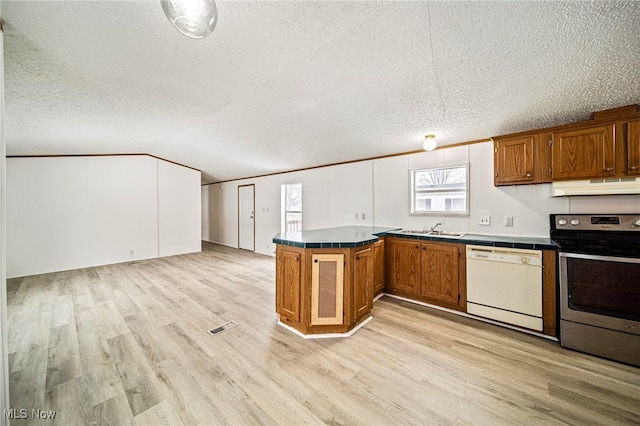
{"x": 289, "y": 284}
{"x": 584, "y": 153}
{"x": 431, "y": 272}
{"x": 439, "y": 265}
{"x": 321, "y": 291}
{"x": 379, "y": 267}
{"x": 404, "y": 266}
{"x": 363, "y": 282}
{"x": 327, "y": 289}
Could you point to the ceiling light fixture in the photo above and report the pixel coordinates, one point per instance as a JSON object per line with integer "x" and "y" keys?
{"x": 193, "y": 18}
{"x": 430, "y": 143}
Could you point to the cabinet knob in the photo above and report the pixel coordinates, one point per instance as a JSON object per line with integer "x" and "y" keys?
{"x": 608, "y": 169}
{"x": 315, "y": 260}
{"x": 357, "y": 257}
{"x": 529, "y": 174}
{"x": 424, "y": 248}
{"x": 633, "y": 168}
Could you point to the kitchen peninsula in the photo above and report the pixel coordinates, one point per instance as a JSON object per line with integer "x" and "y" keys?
{"x": 326, "y": 279}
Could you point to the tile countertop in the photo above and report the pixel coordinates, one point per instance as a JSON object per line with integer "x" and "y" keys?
{"x": 356, "y": 236}
{"x": 529, "y": 243}
{"x": 342, "y": 237}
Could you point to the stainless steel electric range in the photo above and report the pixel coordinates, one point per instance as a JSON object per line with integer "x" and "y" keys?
{"x": 599, "y": 261}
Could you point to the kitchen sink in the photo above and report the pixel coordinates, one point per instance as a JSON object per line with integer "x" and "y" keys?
{"x": 433, "y": 233}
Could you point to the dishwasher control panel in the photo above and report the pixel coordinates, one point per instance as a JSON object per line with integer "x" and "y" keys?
{"x": 505, "y": 255}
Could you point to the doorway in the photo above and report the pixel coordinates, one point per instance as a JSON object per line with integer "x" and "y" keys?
{"x": 246, "y": 217}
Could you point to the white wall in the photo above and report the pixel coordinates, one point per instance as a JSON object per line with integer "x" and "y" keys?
{"x": 179, "y": 210}
{"x": 73, "y": 212}
{"x": 122, "y": 211}
{"x": 380, "y": 188}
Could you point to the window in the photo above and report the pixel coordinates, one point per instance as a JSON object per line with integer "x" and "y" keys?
{"x": 291, "y": 202}
{"x": 443, "y": 190}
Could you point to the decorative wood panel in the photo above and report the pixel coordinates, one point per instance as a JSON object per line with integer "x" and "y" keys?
{"x": 327, "y": 289}
{"x": 549, "y": 293}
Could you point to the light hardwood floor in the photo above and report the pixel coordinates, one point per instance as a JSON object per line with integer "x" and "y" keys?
{"x": 128, "y": 344}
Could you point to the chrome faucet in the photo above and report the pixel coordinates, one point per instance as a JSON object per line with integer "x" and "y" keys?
{"x": 433, "y": 228}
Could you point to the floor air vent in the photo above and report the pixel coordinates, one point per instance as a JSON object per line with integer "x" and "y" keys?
{"x": 223, "y": 327}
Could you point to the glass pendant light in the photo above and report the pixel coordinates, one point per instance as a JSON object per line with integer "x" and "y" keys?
{"x": 193, "y": 18}
{"x": 430, "y": 143}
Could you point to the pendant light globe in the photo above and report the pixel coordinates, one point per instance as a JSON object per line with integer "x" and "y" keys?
{"x": 193, "y": 18}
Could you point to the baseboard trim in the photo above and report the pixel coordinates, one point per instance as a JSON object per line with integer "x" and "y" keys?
{"x": 464, "y": 314}
{"x": 327, "y": 335}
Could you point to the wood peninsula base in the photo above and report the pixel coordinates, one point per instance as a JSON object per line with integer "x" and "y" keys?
{"x": 325, "y": 279}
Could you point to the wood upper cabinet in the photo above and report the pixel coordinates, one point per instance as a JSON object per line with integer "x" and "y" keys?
{"x": 522, "y": 160}
{"x": 289, "y": 284}
{"x": 633, "y": 148}
{"x": 584, "y": 153}
{"x": 606, "y": 146}
{"x": 363, "y": 282}
{"x": 513, "y": 161}
{"x": 439, "y": 276}
{"x": 378, "y": 267}
{"x": 404, "y": 274}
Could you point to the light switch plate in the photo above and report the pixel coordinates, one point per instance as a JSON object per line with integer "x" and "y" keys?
{"x": 508, "y": 221}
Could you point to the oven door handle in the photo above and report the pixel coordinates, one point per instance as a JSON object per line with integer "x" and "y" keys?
{"x": 598, "y": 257}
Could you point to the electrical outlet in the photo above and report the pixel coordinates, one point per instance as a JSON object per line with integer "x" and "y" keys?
{"x": 364, "y": 216}
{"x": 357, "y": 216}
{"x": 485, "y": 220}
{"x": 508, "y": 221}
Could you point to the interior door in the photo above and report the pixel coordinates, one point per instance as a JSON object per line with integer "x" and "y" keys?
{"x": 246, "y": 217}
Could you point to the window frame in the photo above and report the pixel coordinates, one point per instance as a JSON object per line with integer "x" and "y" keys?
{"x": 412, "y": 192}
{"x": 285, "y": 211}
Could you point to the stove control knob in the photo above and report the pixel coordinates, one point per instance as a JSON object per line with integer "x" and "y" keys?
{"x": 575, "y": 222}
{"x": 562, "y": 222}
{"x": 637, "y": 223}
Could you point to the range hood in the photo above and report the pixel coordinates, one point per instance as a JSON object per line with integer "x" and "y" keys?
{"x": 609, "y": 186}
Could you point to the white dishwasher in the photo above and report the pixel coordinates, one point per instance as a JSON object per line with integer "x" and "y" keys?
{"x": 505, "y": 284}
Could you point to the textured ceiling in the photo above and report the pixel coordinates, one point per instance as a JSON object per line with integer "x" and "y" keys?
{"x": 282, "y": 85}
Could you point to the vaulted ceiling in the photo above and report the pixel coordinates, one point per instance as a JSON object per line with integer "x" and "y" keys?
{"x": 283, "y": 85}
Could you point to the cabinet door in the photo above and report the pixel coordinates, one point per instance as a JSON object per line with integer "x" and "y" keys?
{"x": 513, "y": 161}
{"x": 583, "y": 154}
{"x": 405, "y": 266}
{"x": 327, "y": 289}
{"x": 440, "y": 272}
{"x": 362, "y": 282}
{"x": 633, "y": 148}
{"x": 378, "y": 267}
{"x": 288, "y": 285}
